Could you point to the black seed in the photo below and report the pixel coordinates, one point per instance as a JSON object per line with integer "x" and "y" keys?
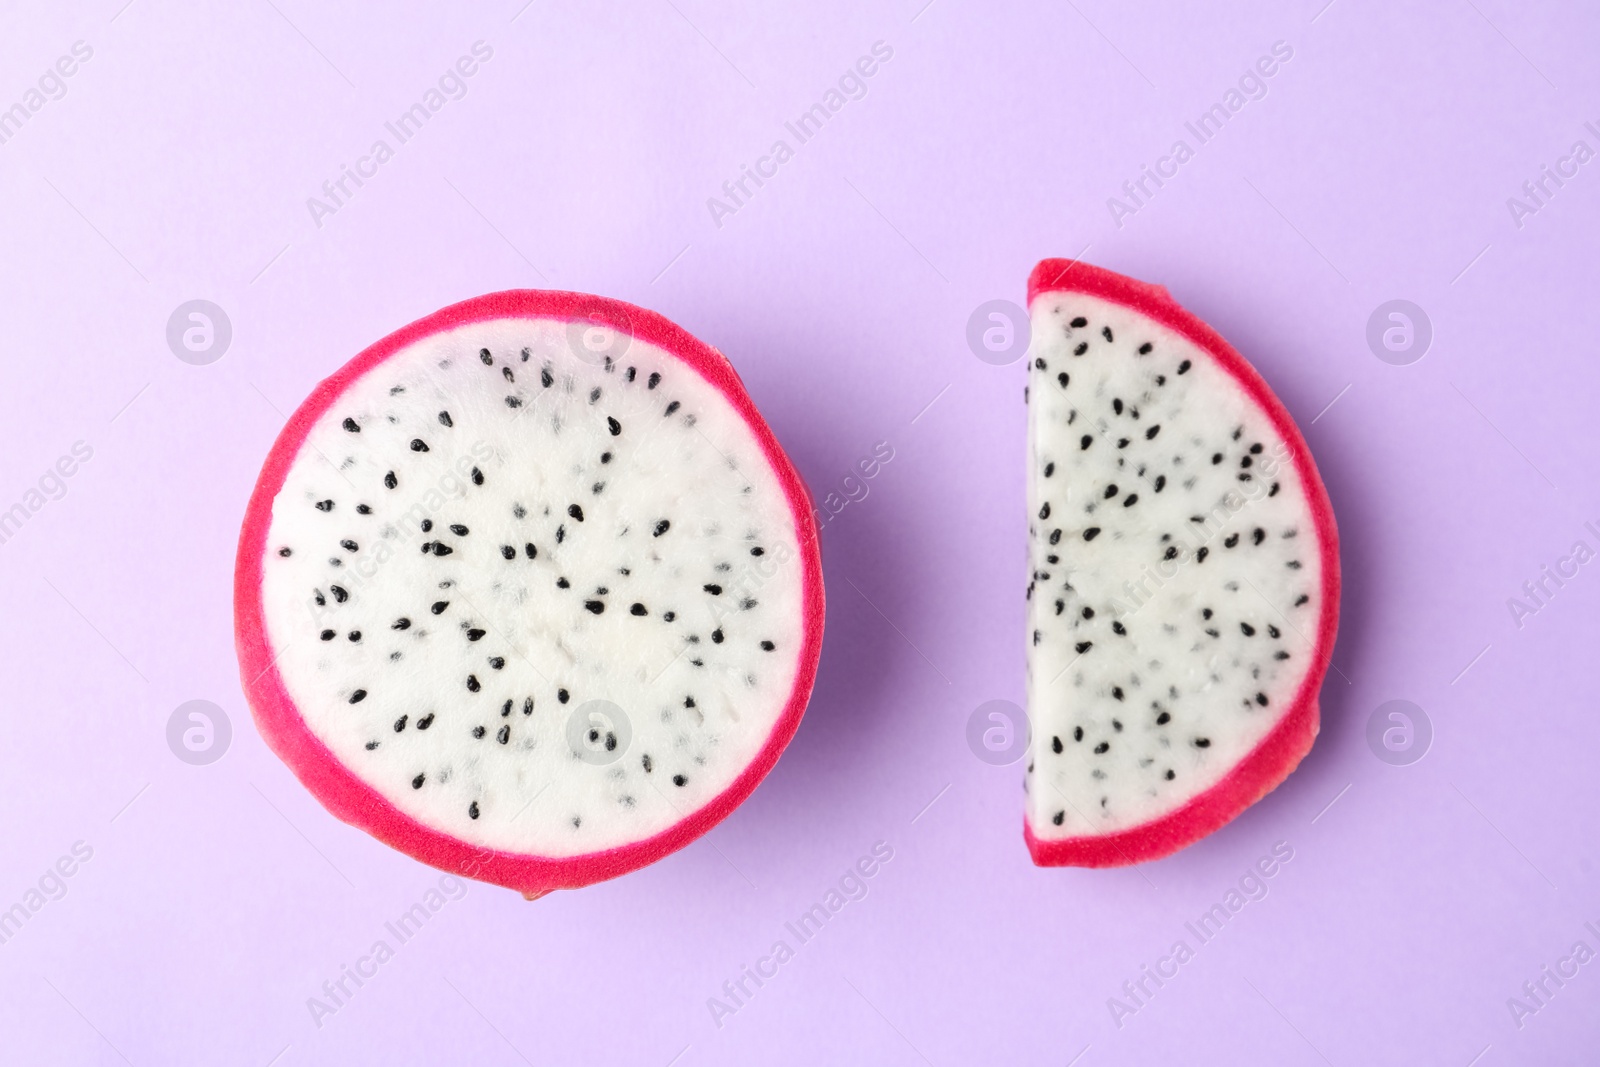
{"x": 575, "y": 512}
{"x": 444, "y": 419}
{"x": 477, "y": 476}
{"x": 458, "y": 529}
{"x": 1230, "y": 541}
{"x": 328, "y": 635}
{"x": 425, "y": 722}
{"x": 1058, "y": 817}
{"x": 613, "y": 425}
{"x": 439, "y": 606}
{"x": 1062, "y": 379}
{"x": 1084, "y": 646}
{"x": 673, "y": 407}
{"x": 767, "y": 646}
{"x": 716, "y": 637}
{"x": 1105, "y": 331}
{"x": 317, "y": 593}
{"x": 504, "y": 735}
{"x": 513, "y": 402}
{"x": 1044, "y": 512}
{"x": 472, "y": 683}
{"x": 1293, "y": 564}
{"x": 561, "y": 534}
{"x": 1205, "y": 613}
{"x": 1248, "y": 630}
{"x": 1102, "y": 748}
{"x": 1085, "y": 441}
{"x": 1200, "y": 556}
{"x": 1213, "y": 632}
{"x": 339, "y": 593}
{"x": 653, "y": 381}
{"x": 594, "y": 606}
{"x": 679, "y": 780}
{"x": 475, "y": 634}
{"x": 1091, "y": 533}
{"x": 1118, "y": 629}
{"x": 662, "y": 527}
{"x": 355, "y": 635}
{"x": 1088, "y": 613}
{"x": 638, "y": 609}
{"x": 1272, "y": 631}
{"x": 416, "y": 783}
{"x": 1061, "y": 605}
{"x": 358, "y": 696}
{"x": 1116, "y": 691}
{"x": 529, "y": 551}
{"x": 324, "y": 505}
{"x": 1132, "y": 499}
{"x": 472, "y": 810}
{"x": 388, "y": 480}
{"x": 441, "y": 549}
{"x": 508, "y": 552}
{"x": 1081, "y": 349}
{"x": 1170, "y": 774}
{"x": 418, "y": 445}
{"x": 563, "y": 696}
{"x": 1150, "y": 434}
{"x": 1055, "y": 537}
{"x": 1280, "y": 655}
{"x": 1202, "y": 742}
{"x": 488, "y": 360}
{"x": 352, "y": 425}
{"x": 1055, "y": 744}
{"x": 1183, "y": 368}
{"x": 1116, "y": 405}
{"x": 1261, "y": 698}
{"x": 669, "y": 616}
{"x": 1144, "y": 349}
{"x": 347, "y": 544}
{"x": 1303, "y": 598}
{"x": 1163, "y": 719}
{"x": 562, "y": 583}
{"x": 362, "y": 509}
{"x": 427, "y": 525}
{"x": 1122, "y": 442}
{"x": 1171, "y": 552}
{"x": 545, "y": 378}
{"x": 1111, "y": 490}
{"x": 1049, "y": 469}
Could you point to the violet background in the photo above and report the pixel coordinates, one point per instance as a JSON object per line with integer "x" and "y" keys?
{"x": 219, "y": 898}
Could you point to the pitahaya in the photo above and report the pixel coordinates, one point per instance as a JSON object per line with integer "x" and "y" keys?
{"x": 1184, "y": 585}
{"x": 529, "y": 591}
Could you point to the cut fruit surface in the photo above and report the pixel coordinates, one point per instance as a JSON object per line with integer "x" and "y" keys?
{"x": 529, "y": 591}
{"x": 1184, "y": 576}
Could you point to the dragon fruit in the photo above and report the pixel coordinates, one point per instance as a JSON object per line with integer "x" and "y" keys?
{"x": 529, "y": 591}
{"x": 1184, "y": 584}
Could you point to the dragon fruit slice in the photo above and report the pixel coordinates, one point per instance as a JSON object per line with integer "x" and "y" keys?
{"x": 1184, "y": 586}
{"x": 529, "y": 591}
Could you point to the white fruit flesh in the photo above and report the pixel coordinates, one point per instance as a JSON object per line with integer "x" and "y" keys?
{"x": 1165, "y": 505}
{"x": 689, "y": 632}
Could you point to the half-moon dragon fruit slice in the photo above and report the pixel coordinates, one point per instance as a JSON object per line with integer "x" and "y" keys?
{"x": 1184, "y": 585}
{"x": 529, "y": 591}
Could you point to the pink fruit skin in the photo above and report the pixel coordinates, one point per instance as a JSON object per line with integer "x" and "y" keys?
{"x": 1281, "y": 751}
{"x": 357, "y": 803}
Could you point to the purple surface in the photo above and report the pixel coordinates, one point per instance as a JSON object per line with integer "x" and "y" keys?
{"x": 219, "y": 898}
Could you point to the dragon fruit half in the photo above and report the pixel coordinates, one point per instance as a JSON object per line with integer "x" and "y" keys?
{"x": 529, "y": 591}
{"x": 1184, "y": 585}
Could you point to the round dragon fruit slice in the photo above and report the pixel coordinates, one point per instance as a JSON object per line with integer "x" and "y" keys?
{"x": 529, "y": 591}
{"x": 1184, "y": 585}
